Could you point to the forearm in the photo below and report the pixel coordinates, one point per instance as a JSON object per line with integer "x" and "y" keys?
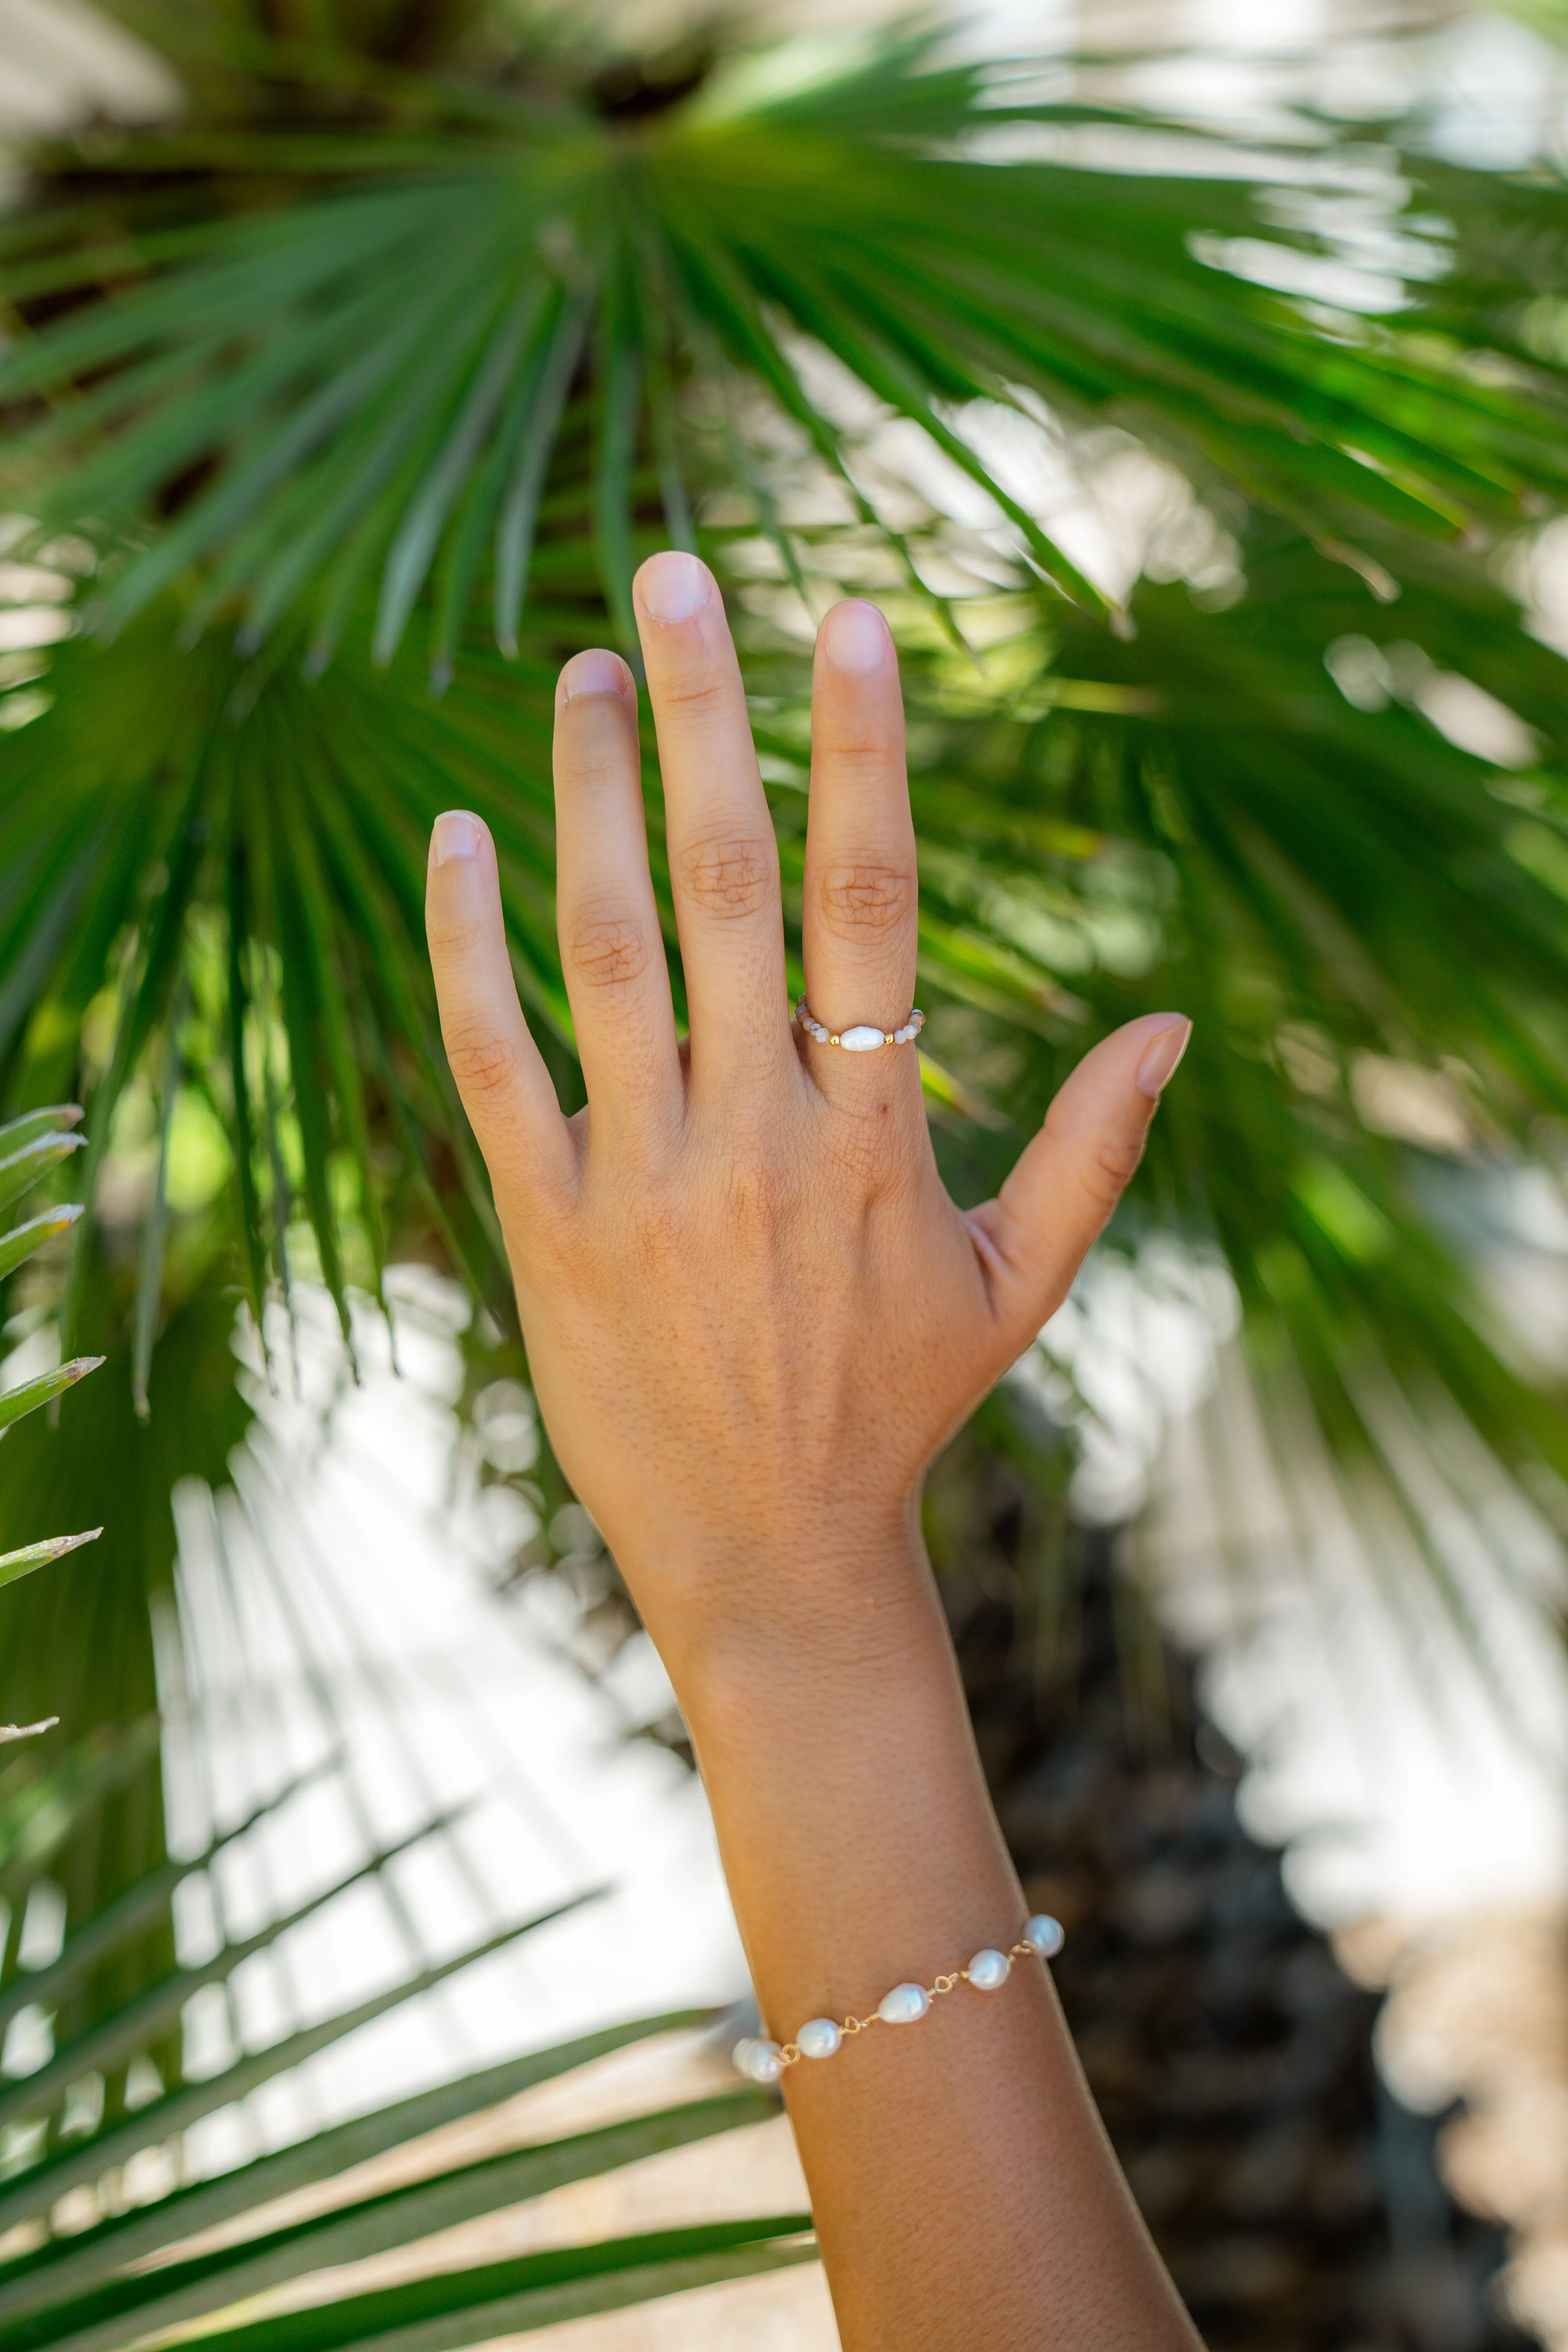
{"x": 751, "y": 1304}
{"x": 963, "y": 2189}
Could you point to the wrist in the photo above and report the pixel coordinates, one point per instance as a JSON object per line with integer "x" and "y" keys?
{"x": 830, "y": 1612}
{"x": 858, "y": 1834}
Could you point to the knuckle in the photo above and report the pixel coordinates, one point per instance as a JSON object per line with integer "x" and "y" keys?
{"x": 555, "y": 1241}
{"x": 607, "y": 951}
{"x": 584, "y": 767}
{"x": 480, "y": 1059}
{"x": 696, "y": 692}
{"x": 1109, "y": 1167}
{"x": 870, "y": 1152}
{"x": 861, "y": 752}
{"x": 452, "y": 937}
{"x": 865, "y": 901}
{"x": 752, "y": 1192}
{"x": 731, "y": 878}
{"x": 660, "y": 1222}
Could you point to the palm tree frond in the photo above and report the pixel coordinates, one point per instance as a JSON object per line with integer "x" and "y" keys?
{"x": 375, "y": 365}
{"x": 123, "y": 2276}
{"x": 30, "y": 1147}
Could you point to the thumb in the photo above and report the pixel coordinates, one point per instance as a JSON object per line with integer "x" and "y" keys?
{"x": 1036, "y": 1232}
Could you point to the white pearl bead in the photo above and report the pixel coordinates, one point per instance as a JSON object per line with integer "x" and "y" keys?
{"x": 1045, "y": 1933}
{"x": 758, "y": 2061}
{"x": 988, "y": 1970}
{"x": 862, "y": 1039}
{"x": 818, "y": 2038}
{"x": 903, "y": 2005}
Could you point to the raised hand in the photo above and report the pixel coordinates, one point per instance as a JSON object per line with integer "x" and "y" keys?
{"x": 747, "y": 1296}
{"x": 752, "y": 1315}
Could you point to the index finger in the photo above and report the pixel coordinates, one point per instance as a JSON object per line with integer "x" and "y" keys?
{"x": 500, "y": 1071}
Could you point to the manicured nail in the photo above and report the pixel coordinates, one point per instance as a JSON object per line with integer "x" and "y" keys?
{"x": 1160, "y": 1057}
{"x": 856, "y": 638}
{"x": 672, "y": 586}
{"x": 593, "y": 672}
{"x": 456, "y": 835}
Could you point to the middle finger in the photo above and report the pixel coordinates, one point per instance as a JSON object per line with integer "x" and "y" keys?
{"x": 612, "y": 955}
{"x": 723, "y": 860}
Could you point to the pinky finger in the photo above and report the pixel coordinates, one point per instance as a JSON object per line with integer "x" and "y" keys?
{"x": 501, "y": 1075}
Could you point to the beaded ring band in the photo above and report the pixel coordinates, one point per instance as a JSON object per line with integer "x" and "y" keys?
{"x": 763, "y": 2062}
{"x": 865, "y": 1037}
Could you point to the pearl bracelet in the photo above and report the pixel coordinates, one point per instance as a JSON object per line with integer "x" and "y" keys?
{"x": 764, "y": 2061}
{"x": 866, "y": 1035}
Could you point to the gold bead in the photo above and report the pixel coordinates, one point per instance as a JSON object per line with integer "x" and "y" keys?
{"x": 833, "y": 1040}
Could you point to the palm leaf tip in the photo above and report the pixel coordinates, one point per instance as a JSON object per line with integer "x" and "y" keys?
{"x": 14, "y": 1564}
{"x": 29, "y": 1146}
{"x": 20, "y": 1243}
{"x": 35, "y": 1124}
{"x": 30, "y": 1394}
{"x": 25, "y": 1166}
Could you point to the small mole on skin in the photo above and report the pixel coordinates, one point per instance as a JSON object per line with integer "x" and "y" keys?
{"x": 883, "y": 1108}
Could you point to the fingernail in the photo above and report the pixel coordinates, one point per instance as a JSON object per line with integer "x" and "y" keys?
{"x": 454, "y": 835}
{"x": 855, "y": 636}
{"x": 1160, "y": 1057}
{"x": 672, "y": 586}
{"x": 593, "y": 672}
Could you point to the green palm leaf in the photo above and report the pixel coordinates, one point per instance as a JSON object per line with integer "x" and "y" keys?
{"x": 124, "y": 2276}
{"x": 370, "y": 376}
{"x": 536, "y": 2291}
{"x": 29, "y": 1147}
{"x": 175, "y": 2292}
{"x": 368, "y": 368}
{"x": 476, "y": 345}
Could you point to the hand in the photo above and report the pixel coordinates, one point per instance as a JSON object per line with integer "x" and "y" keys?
{"x": 753, "y": 1313}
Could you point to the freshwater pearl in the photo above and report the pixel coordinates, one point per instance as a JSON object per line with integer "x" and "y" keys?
{"x": 862, "y": 1039}
{"x": 818, "y": 2038}
{"x": 988, "y": 1970}
{"x": 1045, "y": 1933}
{"x": 758, "y": 2061}
{"x": 903, "y": 2005}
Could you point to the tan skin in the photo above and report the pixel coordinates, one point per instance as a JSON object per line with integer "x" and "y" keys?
{"x": 754, "y": 1316}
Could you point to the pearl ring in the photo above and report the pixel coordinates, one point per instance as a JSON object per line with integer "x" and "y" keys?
{"x": 865, "y": 1037}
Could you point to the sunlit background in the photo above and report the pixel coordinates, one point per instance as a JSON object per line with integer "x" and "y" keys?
{"x": 351, "y": 1625}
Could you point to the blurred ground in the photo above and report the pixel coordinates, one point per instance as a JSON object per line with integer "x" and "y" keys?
{"x": 1300, "y": 2206}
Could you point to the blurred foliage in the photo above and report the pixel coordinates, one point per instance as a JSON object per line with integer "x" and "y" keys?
{"x": 338, "y": 410}
{"x": 90, "y": 2133}
{"x": 30, "y": 1147}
